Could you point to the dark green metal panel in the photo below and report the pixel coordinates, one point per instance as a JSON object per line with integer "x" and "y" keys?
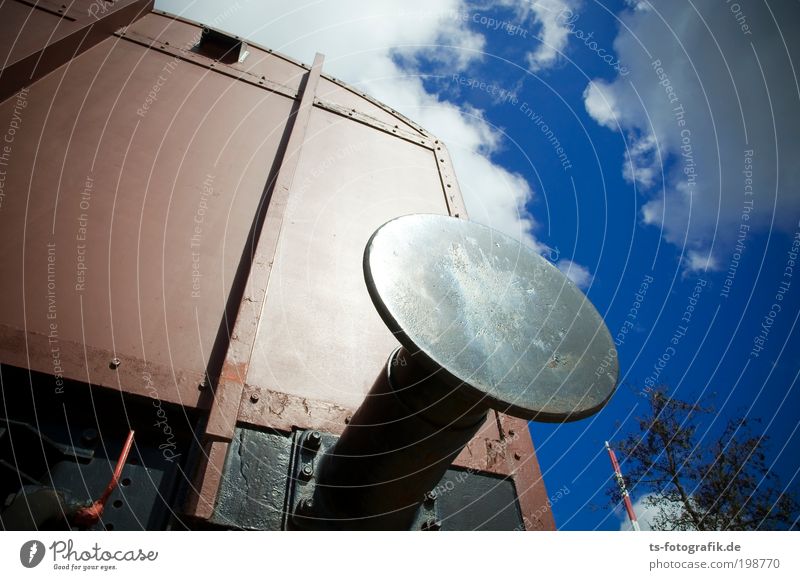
{"x": 255, "y": 481}
{"x": 469, "y": 500}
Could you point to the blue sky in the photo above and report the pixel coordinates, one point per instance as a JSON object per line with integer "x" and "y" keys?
{"x": 654, "y": 108}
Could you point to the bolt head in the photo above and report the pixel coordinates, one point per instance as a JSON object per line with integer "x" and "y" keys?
{"x": 114, "y": 363}
{"x": 305, "y": 507}
{"x": 307, "y": 472}
{"x": 313, "y": 440}
{"x": 254, "y": 398}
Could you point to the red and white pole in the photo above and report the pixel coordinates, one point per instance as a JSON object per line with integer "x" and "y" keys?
{"x": 623, "y": 489}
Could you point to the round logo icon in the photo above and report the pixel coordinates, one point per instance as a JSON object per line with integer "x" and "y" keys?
{"x": 31, "y": 553}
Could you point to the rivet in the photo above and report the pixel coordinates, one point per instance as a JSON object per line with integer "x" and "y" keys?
{"x": 347, "y": 420}
{"x": 517, "y": 456}
{"x": 306, "y": 506}
{"x": 254, "y": 398}
{"x": 313, "y": 440}
{"x": 114, "y": 363}
{"x": 307, "y": 472}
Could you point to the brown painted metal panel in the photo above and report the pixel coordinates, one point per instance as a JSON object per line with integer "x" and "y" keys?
{"x": 320, "y": 336}
{"x": 140, "y": 210}
{"x": 27, "y": 61}
{"x": 24, "y": 29}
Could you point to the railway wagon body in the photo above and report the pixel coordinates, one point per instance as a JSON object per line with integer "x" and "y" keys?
{"x": 183, "y": 217}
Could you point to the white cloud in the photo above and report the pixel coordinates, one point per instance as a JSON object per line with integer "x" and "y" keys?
{"x": 601, "y": 104}
{"x": 575, "y": 272}
{"x": 376, "y": 46}
{"x": 554, "y": 34}
{"x": 638, "y": 4}
{"x": 738, "y": 91}
{"x": 696, "y": 261}
{"x": 642, "y": 164}
{"x": 550, "y": 19}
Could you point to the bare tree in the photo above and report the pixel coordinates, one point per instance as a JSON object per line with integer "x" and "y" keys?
{"x": 717, "y": 483}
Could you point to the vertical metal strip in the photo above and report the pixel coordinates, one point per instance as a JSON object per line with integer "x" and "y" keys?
{"x": 452, "y": 192}
{"x": 228, "y": 394}
{"x": 526, "y": 473}
{"x": 222, "y": 419}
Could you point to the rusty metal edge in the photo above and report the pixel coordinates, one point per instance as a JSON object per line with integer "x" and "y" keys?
{"x": 265, "y": 408}
{"x": 87, "y": 32}
{"x": 527, "y": 475}
{"x": 202, "y": 495}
